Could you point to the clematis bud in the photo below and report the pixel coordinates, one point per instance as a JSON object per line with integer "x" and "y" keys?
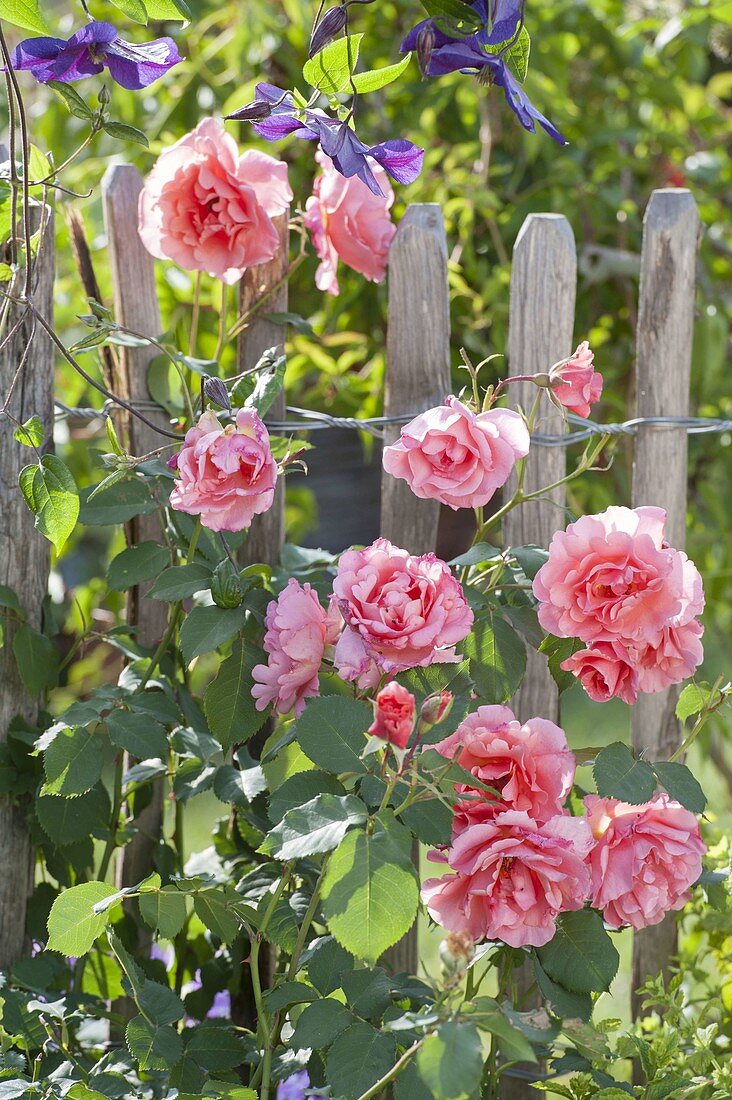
{"x": 425, "y": 46}
{"x": 215, "y": 390}
{"x": 256, "y": 111}
{"x": 456, "y": 953}
{"x": 435, "y": 708}
{"x": 332, "y": 23}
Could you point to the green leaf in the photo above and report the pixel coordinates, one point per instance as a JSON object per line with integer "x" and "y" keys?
{"x": 268, "y": 385}
{"x": 330, "y": 70}
{"x": 122, "y": 132}
{"x": 217, "y": 909}
{"x": 238, "y": 787}
{"x": 370, "y": 893}
{"x": 155, "y": 1047}
{"x": 9, "y": 600}
{"x": 228, "y": 703}
{"x": 331, "y": 732}
{"x": 458, "y": 16}
{"x": 24, "y": 13}
{"x": 358, "y": 1058}
{"x": 379, "y": 78}
{"x": 558, "y": 650}
{"x": 216, "y": 1047}
{"x": 517, "y": 54}
{"x": 73, "y": 925}
{"x": 137, "y": 564}
{"x": 563, "y": 1003}
{"x": 320, "y": 1024}
{"x": 298, "y": 789}
{"x": 497, "y": 658}
{"x": 164, "y": 910}
{"x": 168, "y": 9}
{"x": 133, "y": 9}
{"x": 138, "y": 734}
{"x": 73, "y": 762}
{"x": 619, "y": 775}
{"x": 581, "y": 957}
{"x": 70, "y": 820}
{"x": 450, "y": 1061}
{"x": 514, "y": 1045}
{"x": 318, "y": 826}
{"x": 181, "y": 581}
{"x": 119, "y": 504}
{"x": 76, "y": 105}
{"x": 693, "y": 700}
{"x": 51, "y": 494}
{"x": 31, "y": 433}
{"x": 681, "y": 785}
{"x": 530, "y": 558}
{"x": 37, "y": 659}
{"x": 206, "y": 628}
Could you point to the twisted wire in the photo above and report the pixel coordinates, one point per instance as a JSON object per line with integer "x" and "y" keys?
{"x": 308, "y": 420}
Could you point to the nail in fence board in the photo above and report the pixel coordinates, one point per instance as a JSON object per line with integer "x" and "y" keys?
{"x": 663, "y": 368}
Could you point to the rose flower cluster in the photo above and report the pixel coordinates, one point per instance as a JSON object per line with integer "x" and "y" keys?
{"x": 518, "y": 859}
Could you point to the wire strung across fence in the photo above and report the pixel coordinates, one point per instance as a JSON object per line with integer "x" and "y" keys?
{"x": 308, "y": 420}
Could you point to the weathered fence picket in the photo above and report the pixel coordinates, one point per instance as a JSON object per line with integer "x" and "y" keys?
{"x": 24, "y": 567}
{"x": 136, "y": 307}
{"x": 417, "y": 378}
{"x": 663, "y": 369}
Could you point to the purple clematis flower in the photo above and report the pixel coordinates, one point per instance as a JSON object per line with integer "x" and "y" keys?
{"x": 400, "y": 158}
{"x": 92, "y": 49}
{"x": 469, "y": 54}
{"x": 294, "y": 1087}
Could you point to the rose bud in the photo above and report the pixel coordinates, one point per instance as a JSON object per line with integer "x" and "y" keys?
{"x": 394, "y": 711}
{"x": 456, "y": 952}
{"x": 332, "y": 23}
{"x": 435, "y": 708}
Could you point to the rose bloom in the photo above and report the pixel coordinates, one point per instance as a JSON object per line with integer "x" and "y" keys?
{"x": 457, "y": 456}
{"x": 399, "y": 610}
{"x": 208, "y": 208}
{"x": 606, "y": 670}
{"x": 530, "y": 765}
{"x": 575, "y": 384}
{"x": 394, "y": 712}
{"x": 645, "y": 861}
{"x": 227, "y": 475}
{"x": 612, "y": 576}
{"x": 513, "y": 878}
{"x": 349, "y": 222}
{"x": 297, "y": 633}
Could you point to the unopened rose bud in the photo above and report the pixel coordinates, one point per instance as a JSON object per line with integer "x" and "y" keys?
{"x": 425, "y": 46}
{"x": 436, "y": 707}
{"x": 216, "y": 391}
{"x": 332, "y": 23}
{"x": 253, "y": 112}
{"x": 456, "y": 952}
{"x": 393, "y": 715}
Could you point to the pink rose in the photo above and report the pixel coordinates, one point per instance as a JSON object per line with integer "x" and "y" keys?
{"x": 295, "y": 640}
{"x": 394, "y": 712}
{"x": 575, "y": 384}
{"x": 530, "y": 765}
{"x": 209, "y": 209}
{"x": 349, "y": 222}
{"x": 612, "y": 576}
{"x": 457, "y": 456}
{"x": 606, "y": 670}
{"x": 512, "y": 878}
{"x": 227, "y": 475}
{"x": 399, "y": 610}
{"x": 673, "y": 658}
{"x": 645, "y": 861}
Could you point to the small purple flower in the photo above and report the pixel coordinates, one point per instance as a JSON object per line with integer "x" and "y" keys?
{"x": 221, "y": 1007}
{"x": 448, "y": 54}
{"x": 400, "y": 158}
{"x": 294, "y": 1087}
{"x": 90, "y": 50}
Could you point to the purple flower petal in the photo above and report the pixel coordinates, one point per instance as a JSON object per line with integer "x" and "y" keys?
{"x": 135, "y": 66}
{"x": 402, "y": 159}
{"x": 221, "y": 1007}
{"x": 294, "y": 1087}
{"x": 506, "y": 20}
{"x": 522, "y": 106}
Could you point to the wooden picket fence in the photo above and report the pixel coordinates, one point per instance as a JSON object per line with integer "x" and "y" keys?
{"x": 541, "y": 331}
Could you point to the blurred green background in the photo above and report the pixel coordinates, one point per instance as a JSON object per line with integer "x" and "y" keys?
{"x": 642, "y": 91}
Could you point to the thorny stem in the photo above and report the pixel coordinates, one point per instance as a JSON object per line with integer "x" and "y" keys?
{"x": 264, "y": 1069}
{"x": 393, "y": 1073}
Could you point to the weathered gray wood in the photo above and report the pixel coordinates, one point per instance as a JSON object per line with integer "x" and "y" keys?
{"x": 136, "y": 306}
{"x": 543, "y": 289}
{"x": 417, "y": 378}
{"x": 418, "y": 360}
{"x": 541, "y": 322}
{"x": 24, "y": 567}
{"x": 269, "y": 282}
{"x": 663, "y": 366}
